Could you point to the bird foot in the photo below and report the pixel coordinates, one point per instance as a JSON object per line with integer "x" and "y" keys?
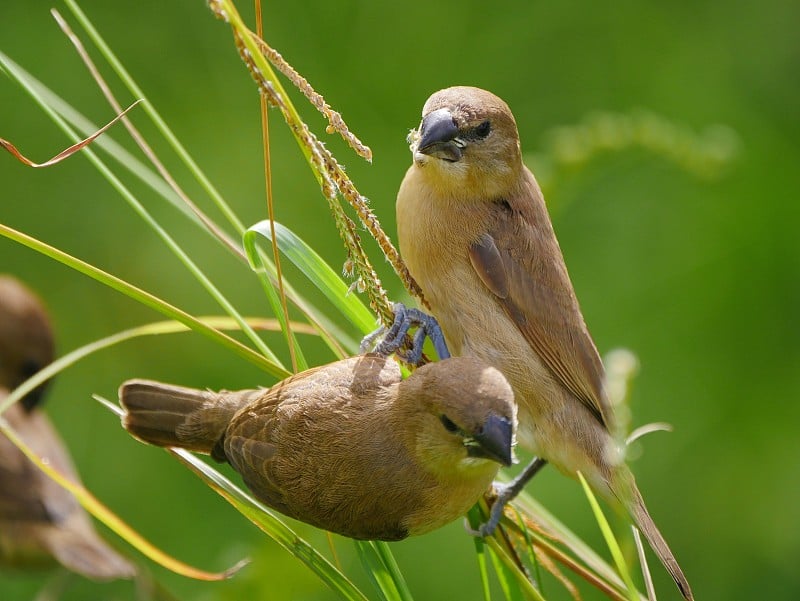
{"x": 393, "y": 337}
{"x": 505, "y": 494}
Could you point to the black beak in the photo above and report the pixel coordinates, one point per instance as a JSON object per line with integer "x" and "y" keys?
{"x": 493, "y": 441}
{"x": 437, "y": 136}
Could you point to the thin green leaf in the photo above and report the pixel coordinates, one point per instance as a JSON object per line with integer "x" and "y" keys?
{"x": 512, "y": 579}
{"x": 334, "y": 337}
{"x": 151, "y": 329}
{"x": 394, "y": 570}
{"x": 264, "y": 518}
{"x": 378, "y": 572}
{"x": 168, "y": 240}
{"x": 273, "y": 527}
{"x": 105, "y": 515}
{"x": 250, "y": 241}
{"x": 611, "y": 541}
{"x": 321, "y": 275}
{"x": 475, "y": 518}
{"x": 529, "y": 506}
{"x": 531, "y": 549}
{"x": 146, "y": 299}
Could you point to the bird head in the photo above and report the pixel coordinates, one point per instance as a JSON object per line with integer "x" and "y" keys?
{"x": 465, "y": 416}
{"x": 467, "y": 140}
{"x": 26, "y": 339}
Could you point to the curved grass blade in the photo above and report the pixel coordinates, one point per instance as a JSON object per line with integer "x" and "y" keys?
{"x": 264, "y": 519}
{"x": 512, "y": 579}
{"x": 321, "y": 275}
{"x": 151, "y": 329}
{"x": 146, "y": 299}
{"x": 475, "y": 517}
{"x": 333, "y": 336}
{"x": 611, "y": 541}
{"x": 383, "y": 576}
{"x": 256, "y": 259}
{"x": 389, "y": 561}
{"x": 66, "y": 153}
{"x": 168, "y": 240}
{"x": 105, "y": 515}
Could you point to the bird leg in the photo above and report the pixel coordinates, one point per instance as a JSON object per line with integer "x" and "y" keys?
{"x": 406, "y": 318}
{"x": 505, "y": 493}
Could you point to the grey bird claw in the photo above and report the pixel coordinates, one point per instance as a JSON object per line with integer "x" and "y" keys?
{"x": 505, "y": 494}
{"x": 404, "y": 319}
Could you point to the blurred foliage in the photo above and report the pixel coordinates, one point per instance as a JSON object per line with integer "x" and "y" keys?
{"x": 695, "y": 268}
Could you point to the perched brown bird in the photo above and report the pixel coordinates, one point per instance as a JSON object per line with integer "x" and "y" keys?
{"x": 39, "y": 521}
{"x": 474, "y": 231}
{"x": 349, "y": 447}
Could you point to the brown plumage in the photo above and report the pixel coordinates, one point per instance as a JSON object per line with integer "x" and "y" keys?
{"x": 476, "y": 236}
{"x": 349, "y": 447}
{"x": 39, "y": 521}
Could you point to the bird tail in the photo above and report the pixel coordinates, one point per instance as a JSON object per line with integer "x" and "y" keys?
{"x": 647, "y": 526}
{"x": 173, "y": 416}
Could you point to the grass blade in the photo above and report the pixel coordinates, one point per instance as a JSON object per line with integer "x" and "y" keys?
{"x": 151, "y": 329}
{"x": 250, "y": 241}
{"x": 611, "y": 541}
{"x": 102, "y": 513}
{"x": 146, "y": 299}
{"x": 321, "y": 275}
{"x": 380, "y": 574}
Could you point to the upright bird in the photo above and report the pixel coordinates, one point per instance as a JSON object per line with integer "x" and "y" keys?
{"x": 39, "y": 521}
{"x": 476, "y": 236}
{"x": 349, "y": 447}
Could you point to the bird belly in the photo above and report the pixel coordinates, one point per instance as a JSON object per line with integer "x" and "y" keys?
{"x": 474, "y": 325}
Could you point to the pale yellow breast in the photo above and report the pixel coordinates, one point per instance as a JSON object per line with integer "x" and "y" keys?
{"x": 435, "y": 234}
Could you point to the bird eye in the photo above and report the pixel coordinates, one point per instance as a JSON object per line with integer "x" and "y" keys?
{"x": 483, "y": 129}
{"x": 448, "y": 424}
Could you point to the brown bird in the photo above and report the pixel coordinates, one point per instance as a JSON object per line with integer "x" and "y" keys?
{"x": 349, "y": 447}
{"x": 476, "y": 236}
{"x": 39, "y": 521}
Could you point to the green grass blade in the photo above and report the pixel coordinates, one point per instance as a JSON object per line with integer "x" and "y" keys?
{"x": 320, "y": 273}
{"x": 475, "y": 517}
{"x": 250, "y": 241}
{"x": 273, "y": 527}
{"x": 330, "y": 332}
{"x": 379, "y": 573}
{"x": 513, "y": 581}
{"x": 389, "y": 561}
{"x": 264, "y": 518}
{"x": 133, "y": 202}
{"x": 151, "y": 111}
{"x": 146, "y": 299}
{"x": 105, "y": 515}
{"x": 611, "y": 540}
{"x": 150, "y": 329}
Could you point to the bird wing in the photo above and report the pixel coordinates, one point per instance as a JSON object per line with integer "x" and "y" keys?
{"x": 537, "y": 296}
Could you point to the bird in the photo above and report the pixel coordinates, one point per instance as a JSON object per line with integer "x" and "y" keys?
{"x": 350, "y": 447}
{"x": 475, "y": 234}
{"x": 40, "y": 522}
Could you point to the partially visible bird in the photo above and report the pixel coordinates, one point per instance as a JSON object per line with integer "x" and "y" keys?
{"x": 40, "y": 522}
{"x": 475, "y": 234}
{"x": 349, "y": 447}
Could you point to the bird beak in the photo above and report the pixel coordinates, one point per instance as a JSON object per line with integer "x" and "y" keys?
{"x": 438, "y": 135}
{"x": 494, "y": 441}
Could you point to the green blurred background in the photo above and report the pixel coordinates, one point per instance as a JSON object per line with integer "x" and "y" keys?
{"x": 692, "y": 263}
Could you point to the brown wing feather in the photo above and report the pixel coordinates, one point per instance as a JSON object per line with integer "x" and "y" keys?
{"x": 538, "y": 297}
